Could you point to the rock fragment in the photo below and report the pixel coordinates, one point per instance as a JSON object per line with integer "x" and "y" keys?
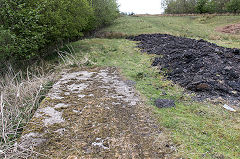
{"x": 164, "y": 103}
{"x": 229, "y": 108}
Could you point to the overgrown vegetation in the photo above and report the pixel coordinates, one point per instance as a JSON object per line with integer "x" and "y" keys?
{"x": 201, "y": 6}
{"x": 28, "y": 31}
{"x": 199, "y": 129}
{"x": 20, "y": 95}
{"x": 28, "y": 27}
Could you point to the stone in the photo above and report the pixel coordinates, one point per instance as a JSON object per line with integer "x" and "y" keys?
{"x": 236, "y": 51}
{"x": 130, "y": 83}
{"x": 203, "y": 87}
{"x": 164, "y": 103}
{"x": 229, "y": 108}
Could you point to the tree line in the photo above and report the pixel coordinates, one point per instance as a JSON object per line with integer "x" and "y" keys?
{"x": 201, "y": 6}
{"x": 27, "y": 27}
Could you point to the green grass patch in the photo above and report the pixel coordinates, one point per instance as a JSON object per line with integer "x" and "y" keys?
{"x": 200, "y": 130}
{"x": 198, "y": 27}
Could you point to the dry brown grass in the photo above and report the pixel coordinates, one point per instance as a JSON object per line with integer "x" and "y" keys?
{"x": 214, "y": 37}
{"x": 111, "y": 35}
{"x": 20, "y": 95}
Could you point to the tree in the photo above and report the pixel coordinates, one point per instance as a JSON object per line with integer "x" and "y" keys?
{"x": 233, "y": 6}
{"x": 105, "y": 11}
{"x": 35, "y": 24}
{"x": 201, "y": 6}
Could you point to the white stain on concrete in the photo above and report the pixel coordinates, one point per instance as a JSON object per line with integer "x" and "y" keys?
{"x": 61, "y": 105}
{"x": 124, "y": 91}
{"x": 85, "y": 75}
{"x": 81, "y": 95}
{"x": 100, "y": 143}
{"x": 61, "y": 131}
{"x": 50, "y": 115}
{"x": 30, "y": 140}
{"x": 77, "y": 88}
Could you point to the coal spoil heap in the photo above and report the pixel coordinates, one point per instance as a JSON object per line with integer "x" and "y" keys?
{"x": 197, "y": 65}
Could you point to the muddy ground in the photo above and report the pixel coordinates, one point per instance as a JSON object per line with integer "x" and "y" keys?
{"x": 198, "y": 65}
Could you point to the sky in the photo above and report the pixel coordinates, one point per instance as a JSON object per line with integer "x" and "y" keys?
{"x": 141, "y": 6}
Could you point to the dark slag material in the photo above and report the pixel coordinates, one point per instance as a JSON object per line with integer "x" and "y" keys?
{"x": 197, "y": 65}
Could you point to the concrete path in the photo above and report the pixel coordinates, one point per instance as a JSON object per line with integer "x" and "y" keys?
{"x": 94, "y": 113}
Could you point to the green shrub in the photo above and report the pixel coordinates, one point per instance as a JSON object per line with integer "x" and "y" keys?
{"x": 6, "y": 43}
{"x": 233, "y": 6}
{"x": 67, "y": 19}
{"x": 22, "y": 21}
{"x": 35, "y": 24}
{"x": 105, "y": 11}
{"x": 202, "y": 6}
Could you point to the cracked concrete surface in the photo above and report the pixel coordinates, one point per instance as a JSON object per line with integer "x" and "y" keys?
{"x": 94, "y": 113}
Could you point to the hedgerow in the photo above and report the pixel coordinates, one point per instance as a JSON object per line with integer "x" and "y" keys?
{"x": 201, "y": 6}
{"x": 29, "y": 26}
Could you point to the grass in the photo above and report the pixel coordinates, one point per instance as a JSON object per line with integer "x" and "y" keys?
{"x": 199, "y": 129}
{"x": 199, "y": 27}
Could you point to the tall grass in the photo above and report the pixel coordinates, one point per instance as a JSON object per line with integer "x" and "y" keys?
{"x": 20, "y": 95}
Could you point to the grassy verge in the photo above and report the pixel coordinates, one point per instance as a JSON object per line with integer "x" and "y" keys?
{"x": 199, "y": 27}
{"x": 201, "y": 130}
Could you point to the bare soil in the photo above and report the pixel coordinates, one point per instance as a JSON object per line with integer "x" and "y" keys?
{"x": 230, "y": 29}
{"x": 94, "y": 113}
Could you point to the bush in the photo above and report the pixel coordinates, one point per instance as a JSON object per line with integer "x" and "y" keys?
{"x": 29, "y": 26}
{"x": 22, "y": 21}
{"x": 105, "y": 11}
{"x": 201, "y": 6}
{"x": 67, "y": 19}
{"x": 233, "y": 6}
{"x": 6, "y": 43}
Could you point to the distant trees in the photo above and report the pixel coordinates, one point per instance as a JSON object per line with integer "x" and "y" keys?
{"x": 28, "y": 26}
{"x": 105, "y": 11}
{"x": 233, "y": 6}
{"x": 201, "y": 6}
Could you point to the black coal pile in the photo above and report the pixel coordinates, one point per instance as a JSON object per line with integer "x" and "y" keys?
{"x": 197, "y": 65}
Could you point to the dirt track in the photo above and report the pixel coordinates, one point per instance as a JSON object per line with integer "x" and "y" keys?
{"x": 94, "y": 113}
